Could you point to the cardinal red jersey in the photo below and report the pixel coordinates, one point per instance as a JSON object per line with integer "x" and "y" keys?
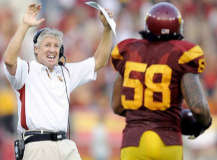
{"x": 151, "y": 92}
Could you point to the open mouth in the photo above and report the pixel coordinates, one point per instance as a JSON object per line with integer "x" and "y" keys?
{"x": 51, "y": 58}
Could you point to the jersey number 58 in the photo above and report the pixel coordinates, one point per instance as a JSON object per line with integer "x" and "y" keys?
{"x": 144, "y": 92}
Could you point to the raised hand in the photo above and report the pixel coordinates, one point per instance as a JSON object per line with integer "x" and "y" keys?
{"x": 103, "y": 19}
{"x": 30, "y": 17}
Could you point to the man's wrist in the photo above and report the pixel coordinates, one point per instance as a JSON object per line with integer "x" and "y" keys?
{"x": 24, "y": 26}
{"x": 209, "y": 124}
{"x": 107, "y": 28}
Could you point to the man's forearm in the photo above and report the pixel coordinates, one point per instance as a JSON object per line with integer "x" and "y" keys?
{"x": 116, "y": 96}
{"x": 11, "y": 53}
{"x": 195, "y": 97}
{"x": 104, "y": 48}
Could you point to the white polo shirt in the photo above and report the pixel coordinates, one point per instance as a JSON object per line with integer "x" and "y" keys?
{"x": 41, "y": 95}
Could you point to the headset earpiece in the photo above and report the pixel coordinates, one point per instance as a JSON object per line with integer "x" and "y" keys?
{"x": 61, "y": 51}
{"x": 62, "y": 58}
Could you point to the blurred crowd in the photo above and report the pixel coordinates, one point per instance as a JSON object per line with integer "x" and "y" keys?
{"x": 82, "y": 30}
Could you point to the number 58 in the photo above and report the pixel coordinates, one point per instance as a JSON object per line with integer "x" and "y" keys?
{"x": 146, "y": 93}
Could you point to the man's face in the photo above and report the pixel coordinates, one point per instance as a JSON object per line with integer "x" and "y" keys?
{"x": 48, "y": 51}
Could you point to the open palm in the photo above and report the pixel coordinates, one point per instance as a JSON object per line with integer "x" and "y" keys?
{"x": 31, "y": 14}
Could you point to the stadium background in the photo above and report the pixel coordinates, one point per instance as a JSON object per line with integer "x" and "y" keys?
{"x": 95, "y": 129}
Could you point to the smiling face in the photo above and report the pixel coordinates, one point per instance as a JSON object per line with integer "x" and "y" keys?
{"x": 47, "y": 52}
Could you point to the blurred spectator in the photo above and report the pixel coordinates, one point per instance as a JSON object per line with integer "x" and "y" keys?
{"x": 7, "y": 108}
{"x": 99, "y": 146}
{"x": 7, "y": 27}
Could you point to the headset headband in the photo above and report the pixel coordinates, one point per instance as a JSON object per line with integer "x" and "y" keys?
{"x": 35, "y": 38}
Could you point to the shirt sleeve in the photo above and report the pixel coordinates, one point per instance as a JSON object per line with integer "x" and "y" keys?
{"x": 17, "y": 81}
{"x": 81, "y": 72}
{"x": 119, "y": 55}
{"x": 192, "y": 60}
{"x": 117, "y": 59}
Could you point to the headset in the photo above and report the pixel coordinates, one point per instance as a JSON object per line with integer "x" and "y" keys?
{"x": 61, "y": 52}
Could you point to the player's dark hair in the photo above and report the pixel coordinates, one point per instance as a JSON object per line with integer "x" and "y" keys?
{"x": 153, "y": 38}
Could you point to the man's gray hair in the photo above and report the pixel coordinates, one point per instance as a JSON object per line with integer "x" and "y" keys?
{"x": 49, "y": 32}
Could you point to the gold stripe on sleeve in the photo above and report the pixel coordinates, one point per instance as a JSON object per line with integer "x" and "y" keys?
{"x": 116, "y": 54}
{"x": 190, "y": 55}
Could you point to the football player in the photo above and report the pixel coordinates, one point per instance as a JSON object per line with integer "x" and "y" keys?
{"x": 154, "y": 75}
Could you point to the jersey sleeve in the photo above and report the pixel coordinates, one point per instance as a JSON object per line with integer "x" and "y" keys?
{"x": 17, "y": 81}
{"x": 119, "y": 55}
{"x": 192, "y": 59}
